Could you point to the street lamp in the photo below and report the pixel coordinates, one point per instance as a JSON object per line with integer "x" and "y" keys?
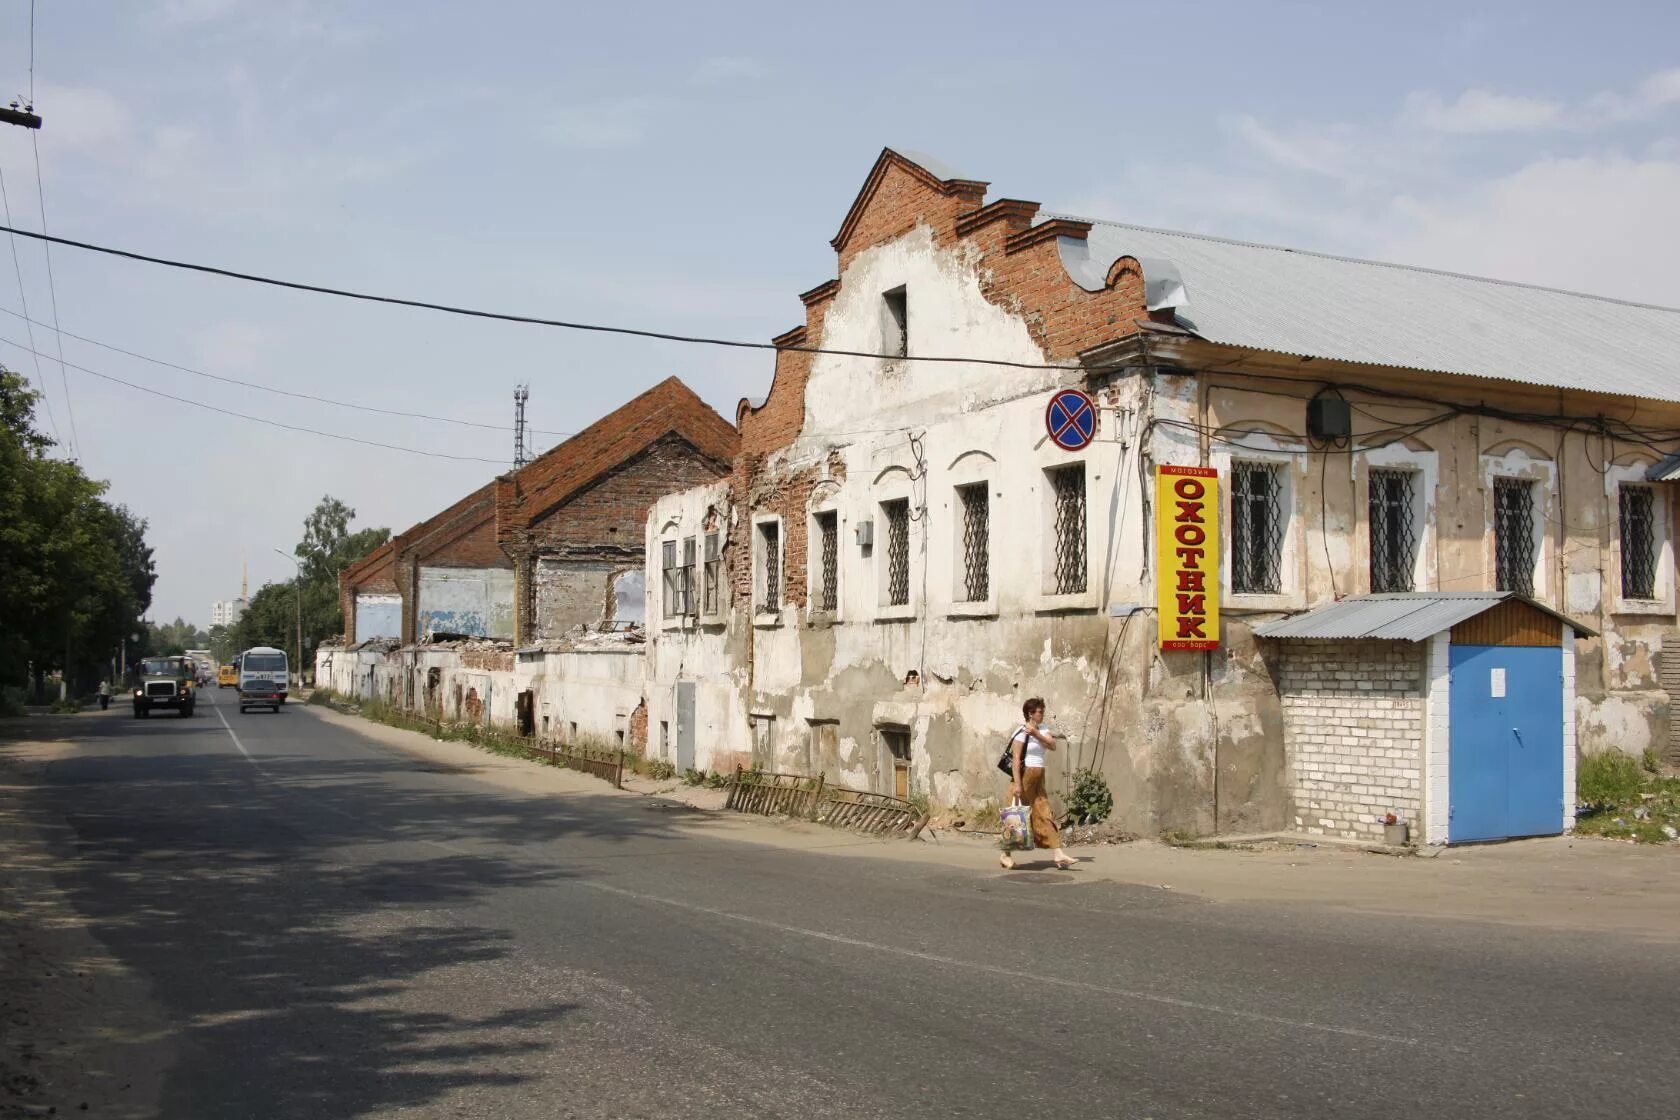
{"x": 297, "y": 589}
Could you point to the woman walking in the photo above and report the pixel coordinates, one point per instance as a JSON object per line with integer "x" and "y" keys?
{"x": 1027, "y": 747}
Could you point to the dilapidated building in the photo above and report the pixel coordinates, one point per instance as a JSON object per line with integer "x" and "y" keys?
{"x": 912, "y": 540}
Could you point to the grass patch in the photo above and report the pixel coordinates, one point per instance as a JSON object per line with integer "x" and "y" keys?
{"x": 1622, "y": 800}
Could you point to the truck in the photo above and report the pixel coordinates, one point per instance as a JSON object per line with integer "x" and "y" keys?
{"x": 165, "y": 682}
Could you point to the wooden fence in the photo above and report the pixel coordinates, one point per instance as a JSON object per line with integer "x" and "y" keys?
{"x": 793, "y": 795}
{"x": 607, "y": 765}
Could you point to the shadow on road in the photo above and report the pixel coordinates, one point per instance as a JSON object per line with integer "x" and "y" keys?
{"x": 286, "y": 917}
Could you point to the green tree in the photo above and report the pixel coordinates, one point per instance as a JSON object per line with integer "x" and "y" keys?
{"x": 75, "y": 571}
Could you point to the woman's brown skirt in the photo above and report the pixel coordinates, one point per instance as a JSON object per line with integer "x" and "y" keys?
{"x": 1043, "y": 824}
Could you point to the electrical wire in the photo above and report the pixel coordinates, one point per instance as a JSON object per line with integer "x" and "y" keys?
{"x": 23, "y": 298}
{"x": 530, "y": 320}
{"x": 262, "y": 419}
{"x": 52, "y": 285}
{"x": 285, "y": 392}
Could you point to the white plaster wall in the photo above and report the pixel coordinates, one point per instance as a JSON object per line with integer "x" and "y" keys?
{"x": 476, "y": 601}
{"x": 378, "y": 616}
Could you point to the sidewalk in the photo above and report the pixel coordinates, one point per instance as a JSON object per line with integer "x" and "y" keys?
{"x": 1557, "y": 883}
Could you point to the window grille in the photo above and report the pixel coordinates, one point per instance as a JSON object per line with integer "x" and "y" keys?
{"x": 1257, "y": 521}
{"x": 976, "y": 542}
{"x": 688, "y": 576}
{"x": 1393, "y": 530}
{"x": 670, "y": 594}
{"x": 828, "y": 587}
{"x": 770, "y": 552}
{"x": 711, "y": 575}
{"x": 1639, "y": 542}
{"x": 1513, "y": 535}
{"x": 1068, "y": 486}
{"x": 897, "y": 516}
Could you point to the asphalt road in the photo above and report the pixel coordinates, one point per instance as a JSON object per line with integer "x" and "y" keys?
{"x": 335, "y": 928}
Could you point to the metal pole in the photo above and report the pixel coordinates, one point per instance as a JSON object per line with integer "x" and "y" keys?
{"x": 297, "y": 589}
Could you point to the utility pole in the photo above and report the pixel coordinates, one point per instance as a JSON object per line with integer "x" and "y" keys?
{"x": 24, "y": 117}
{"x": 520, "y": 456}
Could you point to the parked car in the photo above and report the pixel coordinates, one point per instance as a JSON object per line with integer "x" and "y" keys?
{"x": 164, "y": 682}
{"x": 263, "y": 677}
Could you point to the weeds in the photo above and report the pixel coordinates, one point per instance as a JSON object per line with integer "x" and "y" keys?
{"x": 1623, "y": 800}
{"x": 1608, "y": 778}
{"x": 1089, "y": 801}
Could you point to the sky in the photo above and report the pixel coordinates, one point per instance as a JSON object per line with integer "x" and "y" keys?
{"x": 682, "y": 167}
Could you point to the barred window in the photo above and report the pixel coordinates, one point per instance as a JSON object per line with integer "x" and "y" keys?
{"x": 670, "y": 590}
{"x": 828, "y": 569}
{"x": 1257, "y": 523}
{"x": 1067, "y": 486}
{"x": 1513, "y": 535}
{"x": 1639, "y": 542}
{"x": 769, "y": 567}
{"x": 711, "y": 576}
{"x": 976, "y": 542}
{"x": 1393, "y": 529}
{"x": 688, "y": 576}
{"x": 896, "y": 514}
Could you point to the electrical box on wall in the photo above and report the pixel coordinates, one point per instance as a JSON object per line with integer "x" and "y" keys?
{"x": 865, "y": 533}
{"x": 1329, "y": 419}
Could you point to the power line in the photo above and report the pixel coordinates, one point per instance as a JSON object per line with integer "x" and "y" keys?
{"x": 52, "y": 285}
{"x": 261, "y": 419}
{"x": 532, "y": 320}
{"x": 281, "y": 392}
{"x": 23, "y": 297}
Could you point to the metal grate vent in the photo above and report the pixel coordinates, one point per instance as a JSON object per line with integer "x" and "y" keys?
{"x": 828, "y": 590}
{"x": 1393, "y": 530}
{"x": 1513, "y": 535}
{"x": 1639, "y": 543}
{"x": 897, "y": 517}
{"x": 976, "y": 542}
{"x": 1069, "y": 487}
{"x": 1257, "y": 522}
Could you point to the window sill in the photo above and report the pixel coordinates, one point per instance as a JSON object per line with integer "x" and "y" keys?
{"x": 1642, "y": 607}
{"x": 895, "y": 614}
{"x": 767, "y": 620}
{"x": 1064, "y": 604}
{"x": 1283, "y": 601}
{"x": 821, "y": 620}
{"x": 987, "y": 609}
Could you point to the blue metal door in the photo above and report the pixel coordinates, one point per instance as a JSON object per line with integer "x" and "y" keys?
{"x": 1505, "y": 774}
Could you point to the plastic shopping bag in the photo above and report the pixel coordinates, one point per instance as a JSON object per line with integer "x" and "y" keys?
{"x": 1015, "y": 828}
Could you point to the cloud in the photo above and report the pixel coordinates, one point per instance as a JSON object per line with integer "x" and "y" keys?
{"x": 82, "y": 116}
{"x": 614, "y": 124}
{"x": 1479, "y": 111}
{"x": 1321, "y": 151}
{"x": 1586, "y": 224}
{"x": 722, "y": 69}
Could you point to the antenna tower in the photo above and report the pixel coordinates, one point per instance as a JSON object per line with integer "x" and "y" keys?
{"x": 520, "y": 456}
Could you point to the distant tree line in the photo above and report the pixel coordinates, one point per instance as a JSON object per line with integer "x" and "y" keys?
{"x": 328, "y": 546}
{"x": 76, "y": 573}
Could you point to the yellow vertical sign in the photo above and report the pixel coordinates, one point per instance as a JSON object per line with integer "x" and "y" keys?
{"x": 1187, "y": 557}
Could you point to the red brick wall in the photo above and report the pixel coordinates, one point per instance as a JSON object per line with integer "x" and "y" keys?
{"x": 469, "y": 546}
{"x": 608, "y": 518}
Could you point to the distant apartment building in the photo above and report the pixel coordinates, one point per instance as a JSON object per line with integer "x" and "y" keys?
{"x": 226, "y": 612}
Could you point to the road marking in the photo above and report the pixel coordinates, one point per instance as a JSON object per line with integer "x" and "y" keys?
{"x": 997, "y": 970}
{"x": 235, "y": 737}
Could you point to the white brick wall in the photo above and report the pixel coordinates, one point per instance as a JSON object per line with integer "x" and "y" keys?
{"x": 1353, "y": 727}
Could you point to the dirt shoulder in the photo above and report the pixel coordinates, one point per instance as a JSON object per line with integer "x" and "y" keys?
{"x": 1566, "y": 882}
{"x": 79, "y": 1033}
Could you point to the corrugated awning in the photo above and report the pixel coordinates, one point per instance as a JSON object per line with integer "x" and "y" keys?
{"x": 1401, "y": 616}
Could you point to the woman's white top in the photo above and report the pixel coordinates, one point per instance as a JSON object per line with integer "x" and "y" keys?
{"x": 1033, "y": 756}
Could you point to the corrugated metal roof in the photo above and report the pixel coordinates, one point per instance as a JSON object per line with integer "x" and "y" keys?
{"x": 1313, "y": 304}
{"x": 1666, "y": 469}
{"x": 1406, "y": 617}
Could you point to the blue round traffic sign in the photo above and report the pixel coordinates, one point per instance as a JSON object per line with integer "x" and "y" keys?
{"x": 1071, "y": 419}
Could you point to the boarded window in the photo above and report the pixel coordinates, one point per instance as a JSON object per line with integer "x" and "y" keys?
{"x": 1393, "y": 530}
{"x": 1639, "y": 542}
{"x": 976, "y": 543}
{"x": 896, "y": 514}
{"x": 1513, "y": 535}
{"x": 1067, "y": 492}
{"x": 670, "y": 584}
{"x": 687, "y": 580}
{"x": 712, "y": 578}
{"x": 828, "y": 570}
{"x": 897, "y": 742}
{"x": 1257, "y": 521}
